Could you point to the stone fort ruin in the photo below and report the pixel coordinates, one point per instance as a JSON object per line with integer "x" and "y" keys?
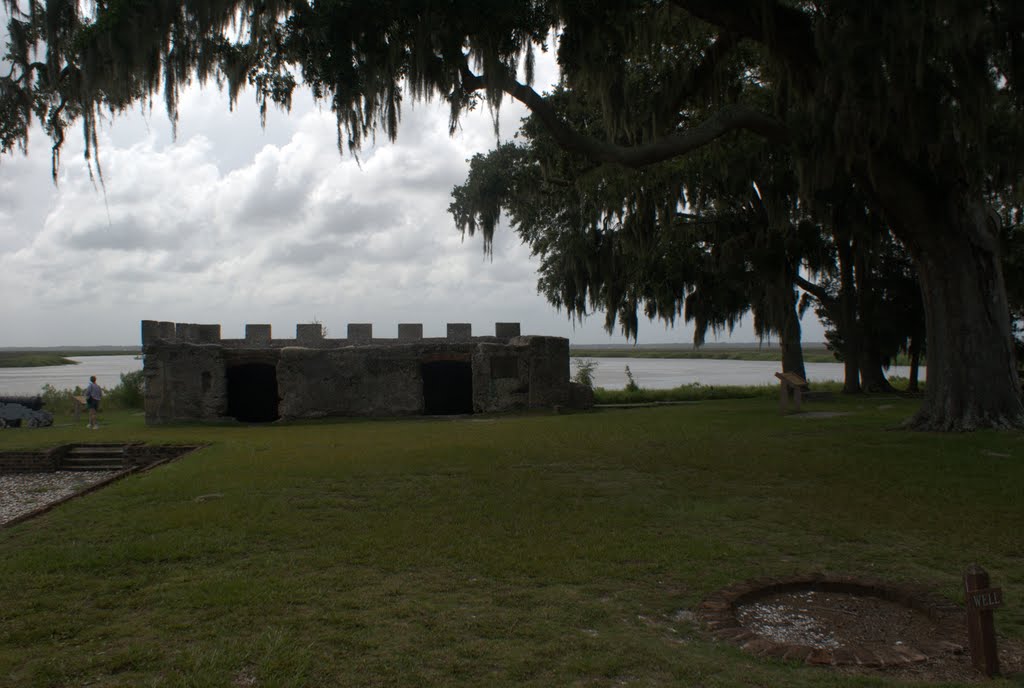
{"x": 193, "y": 374}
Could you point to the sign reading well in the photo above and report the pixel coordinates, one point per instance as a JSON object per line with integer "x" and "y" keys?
{"x": 981, "y": 630}
{"x": 986, "y": 598}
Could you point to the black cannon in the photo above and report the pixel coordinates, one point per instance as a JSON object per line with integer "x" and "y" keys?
{"x": 35, "y": 403}
{"x": 23, "y": 411}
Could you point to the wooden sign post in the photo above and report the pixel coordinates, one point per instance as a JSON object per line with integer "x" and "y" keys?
{"x": 981, "y": 628}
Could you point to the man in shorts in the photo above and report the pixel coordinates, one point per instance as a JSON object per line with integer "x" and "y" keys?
{"x": 93, "y": 394}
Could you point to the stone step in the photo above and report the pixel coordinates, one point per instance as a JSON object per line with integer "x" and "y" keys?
{"x": 97, "y": 450}
{"x": 87, "y": 469}
{"x": 94, "y": 457}
{"x": 87, "y": 460}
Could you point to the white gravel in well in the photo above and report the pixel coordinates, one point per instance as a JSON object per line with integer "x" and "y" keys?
{"x": 22, "y": 493}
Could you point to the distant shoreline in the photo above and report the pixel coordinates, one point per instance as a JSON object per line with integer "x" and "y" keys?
{"x": 813, "y": 352}
{"x": 45, "y": 357}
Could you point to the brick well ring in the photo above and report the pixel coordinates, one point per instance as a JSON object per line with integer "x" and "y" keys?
{"x": 718, "y": 612}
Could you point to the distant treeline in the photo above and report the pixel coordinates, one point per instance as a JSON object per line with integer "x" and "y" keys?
{"x": 52, "y": 357}
{"x": 812, "y": 353}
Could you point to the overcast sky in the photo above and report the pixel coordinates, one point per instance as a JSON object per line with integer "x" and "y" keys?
{"x": 233, "y": 224}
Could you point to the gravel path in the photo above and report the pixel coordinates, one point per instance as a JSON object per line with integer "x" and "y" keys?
{"x": 22, "y": 493}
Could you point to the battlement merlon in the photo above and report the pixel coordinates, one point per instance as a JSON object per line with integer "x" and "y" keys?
{"x": 309, "y": 334}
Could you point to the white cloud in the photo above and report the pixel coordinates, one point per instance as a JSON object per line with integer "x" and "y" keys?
{"x": 232, "y": 223}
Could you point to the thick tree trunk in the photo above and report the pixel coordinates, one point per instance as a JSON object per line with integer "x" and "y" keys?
{"x": 851, "y": 371}
{"x": 792, "y": 351}
{"x": 872, "y": 375}
{"x": 847, "y": 321}
{"x": 789, "y": 334}
{"x": 971, "y": 366}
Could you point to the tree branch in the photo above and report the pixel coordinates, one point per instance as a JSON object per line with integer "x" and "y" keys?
{"x": 786, "y": 31}
{"x": 696, "y": 78}
{"x": 729, "y": 118}
{"x": 815, "y": 290}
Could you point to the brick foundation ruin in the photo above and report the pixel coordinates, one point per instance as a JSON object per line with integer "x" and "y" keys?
{"x": 193, "y": 374}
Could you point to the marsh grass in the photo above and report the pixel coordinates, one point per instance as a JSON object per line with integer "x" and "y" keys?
{"x": 732, "y": 354}
{"x": 14, "y": 358}
{"x": 690, "y": 392}
{"x": 539, "y": 550}
{"x": 21, "y": 359}
{"x": 812, "y": 353}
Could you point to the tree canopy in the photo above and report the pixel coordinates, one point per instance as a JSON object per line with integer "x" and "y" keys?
{"x": 918, "y": 103}
{"x": 708, "y": 237}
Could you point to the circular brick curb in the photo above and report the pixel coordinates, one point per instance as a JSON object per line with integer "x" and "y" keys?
{"x": 718, "y": 613}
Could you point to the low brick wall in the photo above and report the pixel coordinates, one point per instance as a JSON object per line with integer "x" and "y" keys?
{"x": 135, "y": 455}
{"x": 144, "y": 454}
{"x": 29, "y": 461}
{"x": 718, "y": 613}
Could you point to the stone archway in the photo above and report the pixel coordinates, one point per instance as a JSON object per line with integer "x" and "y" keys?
{"x": 447, "y": 387}
{"x": 252, "y": 392}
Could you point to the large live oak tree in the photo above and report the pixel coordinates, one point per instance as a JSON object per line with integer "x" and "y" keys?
{"x": 919, "y": 102}
{"x": 709, "y": 237}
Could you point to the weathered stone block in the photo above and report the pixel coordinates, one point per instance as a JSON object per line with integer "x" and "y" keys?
{"x": 360, "y": 332}
{"x": 580, "y": 396}
{"x": 820, "y": 656}
{"x": 257, "y": 334}
{"x": 843, "y": 656}
{"x": 208, "y": 334}
{"x": 506, "y": 330}
{"x": 349, "y": 382}
{"x": 166, "y": 331}
{"x": 410, "y": 331}
{"x": 308, "y": 333}
{"x": 460, "y": 332}
{"x": 186, "y": 332}
{"x": 150, "y": 331}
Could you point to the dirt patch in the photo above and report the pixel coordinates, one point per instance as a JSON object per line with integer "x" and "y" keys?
{"x": 852, "y": 625}
{"x": 830, "y": 620}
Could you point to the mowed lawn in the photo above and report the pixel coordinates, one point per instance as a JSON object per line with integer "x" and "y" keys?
{"x": 536, "y": 550}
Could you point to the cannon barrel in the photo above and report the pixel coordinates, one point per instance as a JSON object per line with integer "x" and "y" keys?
{"x": 34, "y": 403}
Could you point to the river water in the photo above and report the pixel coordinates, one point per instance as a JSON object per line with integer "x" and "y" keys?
{"x": 665, "y": 373}
{"x": 653, "y": 373}
{"x": 30, "y": 381}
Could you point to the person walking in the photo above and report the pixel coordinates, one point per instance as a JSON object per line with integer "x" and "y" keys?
{"x": 93, "y": 394}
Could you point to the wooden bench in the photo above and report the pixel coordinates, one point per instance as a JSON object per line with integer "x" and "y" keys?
{"x": 790, "y": 385}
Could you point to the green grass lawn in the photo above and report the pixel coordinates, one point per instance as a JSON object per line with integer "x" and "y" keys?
{"x": 537, "y": 550}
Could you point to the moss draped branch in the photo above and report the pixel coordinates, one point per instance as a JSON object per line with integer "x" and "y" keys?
{"x": 786, "y": 31}
{"x": 727, "y": 119}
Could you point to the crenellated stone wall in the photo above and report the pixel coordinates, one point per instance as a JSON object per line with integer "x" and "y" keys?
{"x": 312, "y": 335}
{"x": 192, "y": 374}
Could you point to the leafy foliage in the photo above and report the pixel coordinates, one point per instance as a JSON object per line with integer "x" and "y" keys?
{"x": 584, "y": 374}
{"x": 631, "y": 385}
{"x": 129, "y": 393}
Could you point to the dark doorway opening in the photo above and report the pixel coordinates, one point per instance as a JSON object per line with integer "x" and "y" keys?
{"x": 447, "y": 388}
{"x": 252, "y": 392}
